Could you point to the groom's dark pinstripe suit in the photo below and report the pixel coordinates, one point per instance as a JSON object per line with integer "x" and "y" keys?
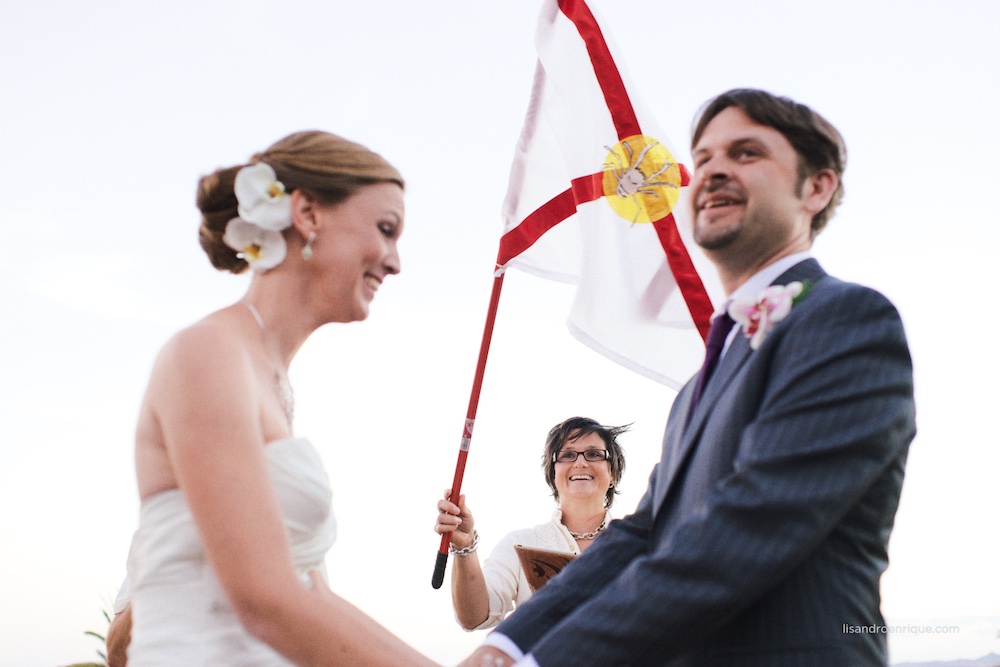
{"x": 764, "y": 528}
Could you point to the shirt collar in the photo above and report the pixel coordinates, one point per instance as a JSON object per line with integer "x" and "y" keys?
{"x": 761, "y": 280}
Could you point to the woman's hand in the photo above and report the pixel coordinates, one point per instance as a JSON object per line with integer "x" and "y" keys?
{"x": 119, "y": 637}
{"x": 468, "y": 586}
{"x": 455, "y": 519}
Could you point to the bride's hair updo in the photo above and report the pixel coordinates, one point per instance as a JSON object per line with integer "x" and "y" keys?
{"x": 329, "y": 167}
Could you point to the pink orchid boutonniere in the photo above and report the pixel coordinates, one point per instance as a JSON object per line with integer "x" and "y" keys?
{"x": 758, "y": 317}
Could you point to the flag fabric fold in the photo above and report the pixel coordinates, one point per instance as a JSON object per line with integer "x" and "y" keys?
{"x": 596, "y": 198}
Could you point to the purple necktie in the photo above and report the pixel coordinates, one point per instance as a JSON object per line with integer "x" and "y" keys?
{"x": 721, "y": 326}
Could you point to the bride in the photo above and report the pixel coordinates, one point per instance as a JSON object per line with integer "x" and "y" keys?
{"x": 226, "y": 567}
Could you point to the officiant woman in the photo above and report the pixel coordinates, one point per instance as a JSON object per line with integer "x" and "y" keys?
{"x": 583, "y": 464}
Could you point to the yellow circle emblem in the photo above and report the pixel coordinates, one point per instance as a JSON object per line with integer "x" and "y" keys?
{"x": 642, "y": 181}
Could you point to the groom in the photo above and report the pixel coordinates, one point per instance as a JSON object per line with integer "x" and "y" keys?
{"x": 764, "y": 528}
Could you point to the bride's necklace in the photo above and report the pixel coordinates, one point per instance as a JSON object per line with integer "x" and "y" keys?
{"x": 592, "y": 534}
{"x": 282, "y": 385}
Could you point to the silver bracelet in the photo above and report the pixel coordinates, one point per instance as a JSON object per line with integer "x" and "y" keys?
{"x": 471, "y": 549}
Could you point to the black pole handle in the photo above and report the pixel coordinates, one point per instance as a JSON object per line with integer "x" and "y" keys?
{"x": 439, "y": 565}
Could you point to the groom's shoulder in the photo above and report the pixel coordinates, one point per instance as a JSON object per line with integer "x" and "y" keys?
{"x": 829, "y": 295}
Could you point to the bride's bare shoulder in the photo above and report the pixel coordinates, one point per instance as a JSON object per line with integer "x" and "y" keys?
{"x": 214, "y": 348}
{"x": 215, "y": 335}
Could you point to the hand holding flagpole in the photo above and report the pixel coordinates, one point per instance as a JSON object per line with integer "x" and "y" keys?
{"x": 470, "y": 420}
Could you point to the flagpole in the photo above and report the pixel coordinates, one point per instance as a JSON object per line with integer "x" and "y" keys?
{"x": 470, "y": 420}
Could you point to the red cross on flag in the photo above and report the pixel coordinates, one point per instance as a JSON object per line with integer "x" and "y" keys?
{"x": 596, "y": 198}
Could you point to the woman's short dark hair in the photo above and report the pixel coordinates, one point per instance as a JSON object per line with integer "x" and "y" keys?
{"x": 817, "y": 142}
{"x": 572, "y": 430}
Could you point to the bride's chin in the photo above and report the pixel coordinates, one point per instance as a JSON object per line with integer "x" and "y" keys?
{"x": 340, "y": 313}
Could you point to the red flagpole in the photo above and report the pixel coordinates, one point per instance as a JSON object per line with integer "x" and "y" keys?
{"x": 470, "y": 420}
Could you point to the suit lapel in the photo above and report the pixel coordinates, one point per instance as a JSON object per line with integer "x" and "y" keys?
{"x": 737, "y": 354}
{"x": 674, "y": 438}
{"x": 683, "y": 436}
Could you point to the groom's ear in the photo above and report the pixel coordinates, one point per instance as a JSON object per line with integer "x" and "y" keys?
{"x": 818, "y": 189}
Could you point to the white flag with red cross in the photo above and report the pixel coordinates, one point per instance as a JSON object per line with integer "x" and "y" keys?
{"x": 596, "y": 198}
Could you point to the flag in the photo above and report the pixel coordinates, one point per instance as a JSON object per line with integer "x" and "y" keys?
{"x": 596, "y": 197}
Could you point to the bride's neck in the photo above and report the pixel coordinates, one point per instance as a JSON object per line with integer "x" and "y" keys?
{"x": 286, "y": 319}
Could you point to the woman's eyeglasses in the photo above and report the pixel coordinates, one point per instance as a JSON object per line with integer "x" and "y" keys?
{"x": 570, "y": 456}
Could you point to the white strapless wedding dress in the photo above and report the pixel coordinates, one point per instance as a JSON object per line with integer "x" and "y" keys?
{"x": 180, "y": 614}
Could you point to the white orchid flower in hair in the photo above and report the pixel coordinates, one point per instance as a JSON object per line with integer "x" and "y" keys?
{"x": 263, "y": 200}
{"x": 262, "y": 249}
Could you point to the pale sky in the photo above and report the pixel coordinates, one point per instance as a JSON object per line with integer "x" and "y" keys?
{"x": 111, "y": 110}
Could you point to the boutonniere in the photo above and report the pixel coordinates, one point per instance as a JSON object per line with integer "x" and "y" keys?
{"x": 758, "y": 316}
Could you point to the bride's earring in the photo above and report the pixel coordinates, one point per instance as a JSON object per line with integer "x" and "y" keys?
{"x": 307, "y": 249}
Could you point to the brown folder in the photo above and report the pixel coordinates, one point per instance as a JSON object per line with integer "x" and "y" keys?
{"x": 540, "y": 565}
